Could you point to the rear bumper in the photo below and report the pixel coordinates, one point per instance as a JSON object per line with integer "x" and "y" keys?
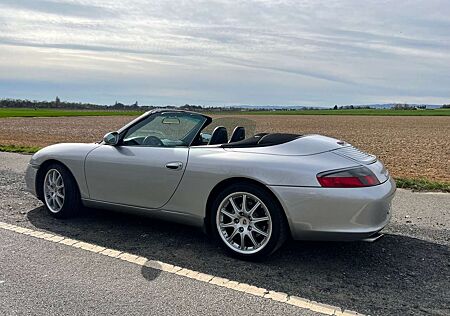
{"x": 336, "y": 213}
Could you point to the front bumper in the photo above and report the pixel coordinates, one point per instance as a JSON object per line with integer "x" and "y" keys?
{"x": 316, "y": 213}
{"x": 30, "y": 178}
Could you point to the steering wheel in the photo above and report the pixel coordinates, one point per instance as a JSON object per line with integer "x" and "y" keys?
{"x": 152, "y": 141}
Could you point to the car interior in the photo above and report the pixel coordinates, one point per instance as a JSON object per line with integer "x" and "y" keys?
{"x": 218, "y": 136}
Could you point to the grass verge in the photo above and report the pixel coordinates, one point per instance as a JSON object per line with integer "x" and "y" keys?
{"x": 422, "y": 185}
{"x": 19, "y": 149}
{"x": 403, "y": 183}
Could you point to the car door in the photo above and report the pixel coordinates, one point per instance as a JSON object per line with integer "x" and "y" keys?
{"x": 147, "y": 165}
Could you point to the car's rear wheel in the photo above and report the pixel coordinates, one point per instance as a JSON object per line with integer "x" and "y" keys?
{"x": 248, "y": 222}
{"x": 60, "y": 192}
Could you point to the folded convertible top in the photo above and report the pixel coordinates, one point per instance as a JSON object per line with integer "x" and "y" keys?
{"x": 263, "y": 139}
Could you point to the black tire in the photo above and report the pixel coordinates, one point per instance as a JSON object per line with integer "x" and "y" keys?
{"x": 279, "y": 224}
{"x": 71, "y": 203}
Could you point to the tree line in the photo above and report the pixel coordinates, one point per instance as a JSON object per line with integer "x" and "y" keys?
{"x": 58, "y": 104}
{"x": 118, "y": 106}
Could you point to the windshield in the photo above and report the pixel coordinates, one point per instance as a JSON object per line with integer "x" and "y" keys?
{"x": 165, "y": 129}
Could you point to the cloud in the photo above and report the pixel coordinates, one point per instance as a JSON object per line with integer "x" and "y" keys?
{"x": 220, "y": 52}
{"x": 60, "y": 8}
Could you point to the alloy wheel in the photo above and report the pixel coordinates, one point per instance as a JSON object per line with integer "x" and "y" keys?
{"x": 244, "y": 222}
{"x": 54, "y": 192}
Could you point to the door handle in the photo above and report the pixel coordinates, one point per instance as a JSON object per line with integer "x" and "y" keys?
{"x": 176, "y": 165}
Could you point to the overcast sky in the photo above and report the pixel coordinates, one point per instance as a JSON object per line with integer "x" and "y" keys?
{"x": 260, "y": 52}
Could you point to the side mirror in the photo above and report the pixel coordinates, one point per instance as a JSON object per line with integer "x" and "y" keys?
{"x": 111, "y": 138}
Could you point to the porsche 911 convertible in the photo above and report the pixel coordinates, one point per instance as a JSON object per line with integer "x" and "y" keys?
{"x": 250, "y": 193}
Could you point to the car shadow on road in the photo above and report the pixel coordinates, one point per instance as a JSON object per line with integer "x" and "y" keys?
{"x": 396, "y": 275}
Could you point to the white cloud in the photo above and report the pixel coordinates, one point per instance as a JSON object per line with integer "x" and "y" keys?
{"x": 225, "y": 52}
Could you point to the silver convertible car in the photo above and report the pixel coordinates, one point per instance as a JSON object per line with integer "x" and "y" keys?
{"x": 250, "y": 193}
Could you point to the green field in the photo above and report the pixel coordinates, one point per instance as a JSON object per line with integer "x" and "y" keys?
{"x": 26, "y": 112}
{"x": 369, "y": 112}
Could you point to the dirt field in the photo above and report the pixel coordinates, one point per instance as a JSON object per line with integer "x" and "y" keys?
{"x": 411, "y": 147}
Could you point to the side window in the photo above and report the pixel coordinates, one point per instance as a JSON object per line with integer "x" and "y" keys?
{"x": 164, "y": 130}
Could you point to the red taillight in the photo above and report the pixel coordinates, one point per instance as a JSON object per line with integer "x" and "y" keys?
{"x": 349, "y": 178}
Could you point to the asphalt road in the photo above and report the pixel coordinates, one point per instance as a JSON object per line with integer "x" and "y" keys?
{"x": 43, "y": 278}
{"x": 407, "y": 272}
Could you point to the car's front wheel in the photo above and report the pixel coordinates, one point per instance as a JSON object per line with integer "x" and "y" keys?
{"x": 60, "y": 192}
{"x": 248, "y": 222}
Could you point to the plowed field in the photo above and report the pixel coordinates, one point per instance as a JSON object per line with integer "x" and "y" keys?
{"x": 411, "y": 147}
